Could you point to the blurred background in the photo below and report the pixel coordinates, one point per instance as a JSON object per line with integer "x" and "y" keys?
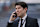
{"x": 8, "y": 6}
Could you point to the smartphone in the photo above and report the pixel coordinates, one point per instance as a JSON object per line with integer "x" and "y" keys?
{"x": 15, "y": 15}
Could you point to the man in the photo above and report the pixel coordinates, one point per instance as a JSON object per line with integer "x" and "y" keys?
{"x": 21, "y": 11}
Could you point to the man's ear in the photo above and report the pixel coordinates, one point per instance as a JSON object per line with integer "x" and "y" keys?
{"x": 26, "y": 9}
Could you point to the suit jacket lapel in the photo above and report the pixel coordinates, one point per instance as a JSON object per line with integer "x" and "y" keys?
{"x": 27, "y": 22}
{"x": 18, "y": 22}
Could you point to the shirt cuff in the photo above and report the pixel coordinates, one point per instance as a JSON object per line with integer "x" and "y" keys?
{"x": 10, "y": 21}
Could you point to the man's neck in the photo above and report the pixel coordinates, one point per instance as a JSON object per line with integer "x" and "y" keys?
{"x": 23, "y": 16}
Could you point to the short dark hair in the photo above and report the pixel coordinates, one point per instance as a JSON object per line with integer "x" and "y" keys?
{"x": 23, "y": 4}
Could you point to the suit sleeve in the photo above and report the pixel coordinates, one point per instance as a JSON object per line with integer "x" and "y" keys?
{"x": 9, "y": 24}
{"x": 13, "y": 24}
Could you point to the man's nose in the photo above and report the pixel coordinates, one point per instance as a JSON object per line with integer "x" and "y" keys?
{"x": 17, "y": 10}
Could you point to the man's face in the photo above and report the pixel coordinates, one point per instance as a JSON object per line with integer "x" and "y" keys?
{"x": 20, "y": 10}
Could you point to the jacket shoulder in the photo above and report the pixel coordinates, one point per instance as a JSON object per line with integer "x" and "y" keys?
{"x": 30, "y": 18}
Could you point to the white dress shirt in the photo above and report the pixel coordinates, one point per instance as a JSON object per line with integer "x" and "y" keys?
{"x": 23, "y": 22}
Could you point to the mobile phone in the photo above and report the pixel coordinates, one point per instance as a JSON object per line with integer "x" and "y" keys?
{"x": 15, "y": 15}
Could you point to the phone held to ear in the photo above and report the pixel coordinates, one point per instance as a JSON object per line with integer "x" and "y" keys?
{"x": 15, "y": 14}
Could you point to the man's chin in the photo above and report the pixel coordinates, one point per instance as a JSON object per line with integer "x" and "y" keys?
{"x": 18, "y": 15}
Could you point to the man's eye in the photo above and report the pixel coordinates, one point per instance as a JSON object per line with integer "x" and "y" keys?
{"x": 18, "y": 8}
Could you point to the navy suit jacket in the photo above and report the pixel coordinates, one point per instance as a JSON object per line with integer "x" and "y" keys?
{"x": 30, "y": 22}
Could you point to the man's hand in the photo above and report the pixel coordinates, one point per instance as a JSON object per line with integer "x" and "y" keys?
{"x": 12, "y": 18}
